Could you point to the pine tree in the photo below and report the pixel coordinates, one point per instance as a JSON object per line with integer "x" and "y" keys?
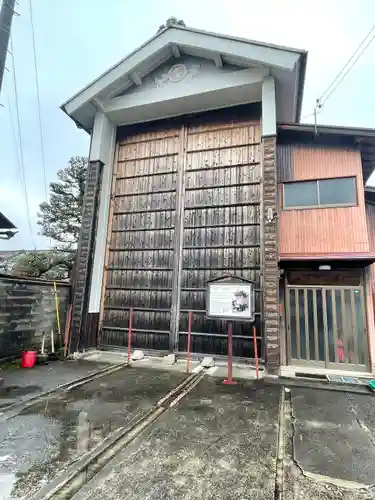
{"x": 46, "y": 264}
{"x": 60, "y": 220}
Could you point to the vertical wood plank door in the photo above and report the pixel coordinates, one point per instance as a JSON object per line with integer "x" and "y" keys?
{"x": 186, "y": 209}
{"x": 221, "y": 229}
{"x": 141, "y": 249}
{"x": 326, "y": 327}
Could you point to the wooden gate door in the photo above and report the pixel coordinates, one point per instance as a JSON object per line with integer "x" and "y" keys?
{"x": 185, "y": 209}
{"x": 221, "y": 228}
{"x": 141, "y": 253}
{"x": 326, "y": 326}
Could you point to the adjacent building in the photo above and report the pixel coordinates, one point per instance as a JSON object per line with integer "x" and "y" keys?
{"x": 7, "y": 228}
{"x": 199, "y": 168}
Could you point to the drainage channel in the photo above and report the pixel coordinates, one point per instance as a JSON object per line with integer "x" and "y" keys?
{"x": 279, "y": 476}
{"x": 82, "y": 471}
{"x": 15, "y": 409}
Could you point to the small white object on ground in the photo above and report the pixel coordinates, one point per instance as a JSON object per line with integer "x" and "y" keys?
{"x": 170, "y": 359}
{"x": 137, "y": 355}
{"x": 287, "y": 389}
{"x": 78, "y": 355}
{"x": 212, "y": 370}
{"x": 52, "y": 343}
{"x": 208, "y": 362}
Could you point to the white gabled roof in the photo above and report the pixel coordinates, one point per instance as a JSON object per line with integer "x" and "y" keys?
{"x": 287, "y": 65}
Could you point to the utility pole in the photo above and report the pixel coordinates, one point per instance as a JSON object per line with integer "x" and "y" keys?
{"x": 6, "y": 18}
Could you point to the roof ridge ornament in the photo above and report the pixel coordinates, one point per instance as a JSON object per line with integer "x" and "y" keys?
{"x": 171, "y": 21}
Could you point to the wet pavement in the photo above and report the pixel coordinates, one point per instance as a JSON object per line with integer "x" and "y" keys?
{"x": 307, "y": 477}
{"x": 45, "y": 439}
{"x": 21, "y": 384}
{"x": 335, "y": 434}
{"x": 219, "y": 443}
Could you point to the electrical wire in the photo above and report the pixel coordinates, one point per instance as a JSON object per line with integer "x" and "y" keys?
{"x": 21, "y": 157}
{"x": 14, "y": 136}
{"x": 38, "y": 102}
{"x": 346, "y": 72}
{"x": 329, "y": 90}
{"x": 342, "y": 74}
{"x": 312, "y": 114}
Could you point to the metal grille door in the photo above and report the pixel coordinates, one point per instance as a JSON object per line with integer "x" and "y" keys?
{"x": 326, "y": 326}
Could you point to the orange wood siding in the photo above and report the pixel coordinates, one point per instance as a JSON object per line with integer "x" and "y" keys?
{"x": 323, "y": 231}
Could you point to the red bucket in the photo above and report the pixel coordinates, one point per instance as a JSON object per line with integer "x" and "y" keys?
{"x": 28, "y": 359}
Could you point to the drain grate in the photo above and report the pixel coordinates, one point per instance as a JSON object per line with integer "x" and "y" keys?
{"x": 315, "y": 376}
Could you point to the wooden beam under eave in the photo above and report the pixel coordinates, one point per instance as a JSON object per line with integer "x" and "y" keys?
{"x": 136, "y": 79}
{"x": 98, "y": 102}
{"x": 218, "y": 61}
{"x": 175, "y": 51}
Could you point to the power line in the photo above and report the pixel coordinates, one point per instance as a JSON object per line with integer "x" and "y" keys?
{"x": 14, "y": 135}
{"x": 38, "y": 102}
{"x": 329, "y": 89}
{"x": 22, "y": 163}
{"x": 312, "y": 114}
{"x": 348, "y": 66}
{"x": 347, "y": 71}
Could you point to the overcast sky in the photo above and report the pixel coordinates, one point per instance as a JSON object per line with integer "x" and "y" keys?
{"x": 79, "y": 39}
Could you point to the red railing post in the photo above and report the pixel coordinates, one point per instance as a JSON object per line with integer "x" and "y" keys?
{"x": 256, "y": 352}
{"x": 229, "y": 380}
{"x": 130, "y": 333}
{"x": 190, "y": 317}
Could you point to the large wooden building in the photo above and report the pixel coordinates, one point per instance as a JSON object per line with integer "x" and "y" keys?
{"x": 199, "y": 168}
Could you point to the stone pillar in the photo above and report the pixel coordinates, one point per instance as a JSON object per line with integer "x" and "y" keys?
{"x": 84, "y": 258}
{"x": 270, "y": 256}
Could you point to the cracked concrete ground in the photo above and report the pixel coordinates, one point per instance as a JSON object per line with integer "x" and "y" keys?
{"x": 43, "y": 440}
{"x": 19, "y": 385}
{"x": 329, "y": 446}
{"x": 219, "y": 443}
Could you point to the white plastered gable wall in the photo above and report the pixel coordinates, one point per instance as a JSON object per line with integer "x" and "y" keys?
{"x": 181, "y": 71}
{"x": 285, "y": 65}
{"x": 188, "y": 84}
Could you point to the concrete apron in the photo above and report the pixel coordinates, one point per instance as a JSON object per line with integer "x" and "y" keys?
{"x": 220, "y": 442}
{"x": 25, "y": 384}
{"x": 220, "y": 369}
{"x": 332, "y": 452}
{"x": 44, "y": 439}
